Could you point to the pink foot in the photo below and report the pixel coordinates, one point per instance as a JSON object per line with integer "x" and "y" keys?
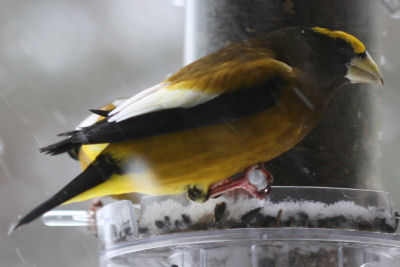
{"x": 256, "y": 180}
{"x": 94, "y": 206}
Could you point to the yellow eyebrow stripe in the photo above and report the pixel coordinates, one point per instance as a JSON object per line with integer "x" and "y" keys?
{"x": 357, "y": 45}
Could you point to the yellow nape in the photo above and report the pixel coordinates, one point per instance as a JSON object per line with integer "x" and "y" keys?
{"x": 357, "y": 45}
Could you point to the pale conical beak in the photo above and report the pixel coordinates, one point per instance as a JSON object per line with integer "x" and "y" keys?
{"x": 364, "y": 70}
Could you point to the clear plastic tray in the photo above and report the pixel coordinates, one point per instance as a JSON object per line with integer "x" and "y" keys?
{"x": 295, "y": 226}
{"x": 259, "y": 247}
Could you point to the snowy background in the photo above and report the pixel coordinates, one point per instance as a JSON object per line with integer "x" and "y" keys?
{"x": 57, "y": 60}
{"x": 60, "y": 58}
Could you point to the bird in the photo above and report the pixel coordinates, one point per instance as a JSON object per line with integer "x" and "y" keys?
{"x": 229, "y": 111}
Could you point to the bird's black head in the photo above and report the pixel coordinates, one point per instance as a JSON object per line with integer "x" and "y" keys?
{"x": 329, "y": 56}
{"x": 343, "y": 46}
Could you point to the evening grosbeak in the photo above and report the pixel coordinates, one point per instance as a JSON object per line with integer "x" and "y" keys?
{"x": 242, "y": 105}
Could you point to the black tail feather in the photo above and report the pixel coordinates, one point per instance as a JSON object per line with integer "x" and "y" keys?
{"x": 37, "y": 212}
{"x": 95, "y": 174}
{"x": 60, "y": 147}
{"x": 74, "y": 140}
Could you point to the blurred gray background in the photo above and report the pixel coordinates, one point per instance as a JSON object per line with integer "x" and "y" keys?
{"x": 60, "y": 58}
{"x": 57, "y": 60}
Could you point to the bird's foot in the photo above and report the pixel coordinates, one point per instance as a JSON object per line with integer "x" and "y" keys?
{"x": 95, "y": 205}
{"x": 197, "y": 193}
{"x": 256, "y": 180}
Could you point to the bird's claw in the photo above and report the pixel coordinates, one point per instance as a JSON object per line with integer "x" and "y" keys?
{"x": 256, "y": 180}
{"x": 95, "y": 205}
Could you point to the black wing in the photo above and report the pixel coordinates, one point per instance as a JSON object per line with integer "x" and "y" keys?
{"x": 224, "y": 108}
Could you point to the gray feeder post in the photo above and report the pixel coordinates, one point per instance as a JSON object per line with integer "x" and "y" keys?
{"x": 342, "y": 150}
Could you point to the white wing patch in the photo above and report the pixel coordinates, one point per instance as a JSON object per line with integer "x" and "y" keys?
{"x": 137, "y": 97}
{"x": 158, "y": 98}
{"x": 88, "y": 121}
